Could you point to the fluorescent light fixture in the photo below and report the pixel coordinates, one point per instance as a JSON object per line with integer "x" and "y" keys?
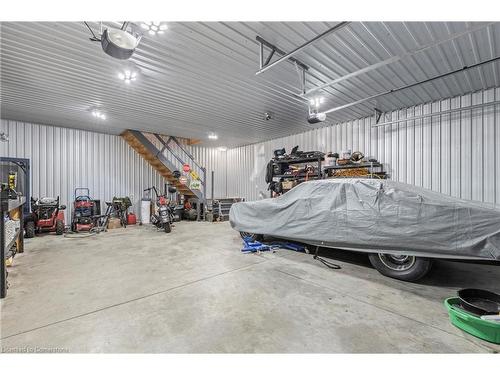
{"x": 222, "y": 148}
{"x": 154, "y": 27}
{"x": 212, "y": 136}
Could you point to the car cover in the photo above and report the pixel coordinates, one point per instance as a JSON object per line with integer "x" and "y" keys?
{"x": 375, "y": 216}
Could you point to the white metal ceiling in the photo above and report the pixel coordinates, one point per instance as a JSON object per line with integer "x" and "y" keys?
{"x": 200, "y": 77}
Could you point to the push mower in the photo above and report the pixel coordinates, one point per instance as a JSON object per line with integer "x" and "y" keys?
{"x": 84, "y": 211}
{"x": 46, "y": 216}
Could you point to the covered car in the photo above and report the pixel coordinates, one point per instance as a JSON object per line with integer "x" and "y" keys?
{"x": 402, "y": 226}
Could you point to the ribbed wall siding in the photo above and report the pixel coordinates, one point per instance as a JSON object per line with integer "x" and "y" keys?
{"x": 62, "y": 159}
{"x": 456, "y": 154}
{"x": 213, "y": 160}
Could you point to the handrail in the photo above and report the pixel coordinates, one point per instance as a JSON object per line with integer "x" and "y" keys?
{"x": 174, "y": 154}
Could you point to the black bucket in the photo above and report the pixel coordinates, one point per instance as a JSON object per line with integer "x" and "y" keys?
{"x": 480, "y": 302}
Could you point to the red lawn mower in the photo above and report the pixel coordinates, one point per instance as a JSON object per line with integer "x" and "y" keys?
{"x": 84, "y": 211}
{"x": 46, "y": 216}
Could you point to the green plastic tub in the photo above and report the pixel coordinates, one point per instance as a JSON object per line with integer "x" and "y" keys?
{"x": 486, "y": 330}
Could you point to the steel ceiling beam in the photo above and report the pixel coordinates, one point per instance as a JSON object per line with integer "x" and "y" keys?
{"x": 264, "y": 43}
{"x": 360, "y": 101}
{"x": 300, "y": 48}
{"x": 394, "y": 59}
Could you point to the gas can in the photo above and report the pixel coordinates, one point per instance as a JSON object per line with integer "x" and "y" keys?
{"x": 131, "y": 219}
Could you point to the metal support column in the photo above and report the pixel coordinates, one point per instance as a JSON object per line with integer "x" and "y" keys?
{"x": 212, "y": 183}
{"x": 204, "y": 193}
{"x": 4, "y": 202}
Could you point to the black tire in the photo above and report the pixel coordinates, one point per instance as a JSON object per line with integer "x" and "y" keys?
{"x": 59, "y": 227}
{"x": 191, "y": 214}
{"x": 167, "y": 227}
{"x": 252, "y": 236}
{"x": 30, "y": 229}
{"x": 406, "y": 268}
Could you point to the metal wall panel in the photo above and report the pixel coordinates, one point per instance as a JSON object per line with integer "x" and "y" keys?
{"x": 63, "y": 158}
{"x": 456, "y": 154}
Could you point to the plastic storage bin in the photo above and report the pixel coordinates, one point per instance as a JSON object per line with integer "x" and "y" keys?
{"x": 474, "y": 325}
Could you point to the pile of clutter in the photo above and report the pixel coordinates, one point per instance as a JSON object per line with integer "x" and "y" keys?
{"x": 11, "y": 228}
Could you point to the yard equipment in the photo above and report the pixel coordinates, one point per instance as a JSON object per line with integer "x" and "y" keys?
{"x": 119, "y": 209}
{"x": 84, "y": 210}
{"x": 46, "y": 216}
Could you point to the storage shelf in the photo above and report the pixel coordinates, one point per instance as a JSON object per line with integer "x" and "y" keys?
{"x": 296, "y": 176}
{"x": 350, "y": 166}
{"x": 299, "y": 160}
{"x": 15, "y": 203}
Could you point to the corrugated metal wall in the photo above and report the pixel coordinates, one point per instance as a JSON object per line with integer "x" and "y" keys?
{"x": 62, "y": 159}
{"x": 456, "y": 154}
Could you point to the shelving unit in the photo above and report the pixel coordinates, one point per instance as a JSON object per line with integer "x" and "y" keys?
{"x": 9, "y": 207}
{"x": 300, "y": 177}
{"x": 371, "y": 166}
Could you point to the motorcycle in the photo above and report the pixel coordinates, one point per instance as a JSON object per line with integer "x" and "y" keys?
{"x": 163, "y": 218}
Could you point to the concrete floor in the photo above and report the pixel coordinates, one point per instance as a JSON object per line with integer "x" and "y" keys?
{"x": 139, "y": 290}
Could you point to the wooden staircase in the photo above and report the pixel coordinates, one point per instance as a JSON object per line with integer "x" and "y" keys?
{"x": 157, "y": 159}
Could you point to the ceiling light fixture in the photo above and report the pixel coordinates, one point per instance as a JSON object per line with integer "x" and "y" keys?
{"x": 128, "y": 76}
{"x": 212, "y": 136}
{"x": 154, "y": 27}
{"x": 316, "y": 102}
{"x": 118, "y": 43}
{"x": 98, "y": 114}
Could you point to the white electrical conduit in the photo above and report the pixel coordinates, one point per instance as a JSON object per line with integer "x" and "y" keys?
{"x": 392, "y": 91}
{"x": 440, "y": 113}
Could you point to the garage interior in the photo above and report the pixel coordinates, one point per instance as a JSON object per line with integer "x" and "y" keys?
{"x": 199, "y": 118}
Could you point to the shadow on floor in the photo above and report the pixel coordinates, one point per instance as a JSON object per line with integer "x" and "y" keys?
{"x": 444, "y": 273}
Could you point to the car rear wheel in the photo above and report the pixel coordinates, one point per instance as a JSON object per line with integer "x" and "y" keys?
{"x": 252, "y": 236}
{"x": 401, "y": 267}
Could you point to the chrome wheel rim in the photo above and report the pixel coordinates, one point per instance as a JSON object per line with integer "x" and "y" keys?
{"x": 397, "y": 262}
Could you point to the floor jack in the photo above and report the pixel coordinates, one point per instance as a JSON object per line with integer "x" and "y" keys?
{"x": 256, "y": 246}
